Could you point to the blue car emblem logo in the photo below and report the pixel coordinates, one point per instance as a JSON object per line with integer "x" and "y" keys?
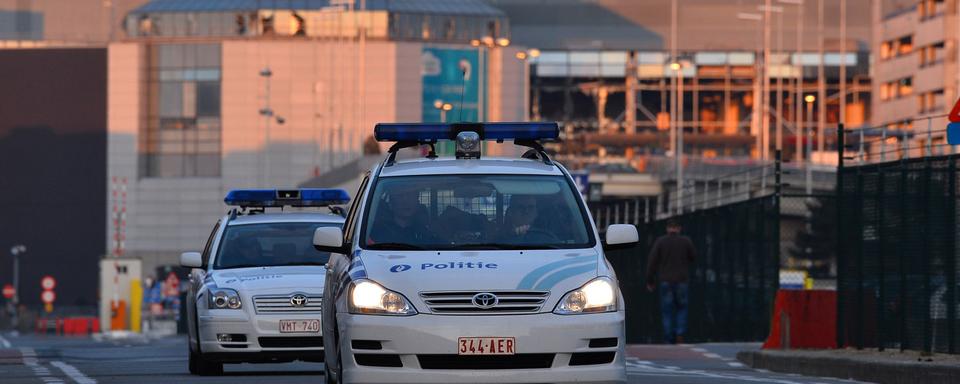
{"x": 399, "y": 268}
{"x": 485, "y": 300}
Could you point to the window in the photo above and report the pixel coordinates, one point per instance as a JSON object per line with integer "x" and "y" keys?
{"x": 896, "y": 89}
{"x": 182, "y": 134}
{"x": 896, "y": 47}
{"x": 268, "y": 245}
{"x": 475, "y": 212}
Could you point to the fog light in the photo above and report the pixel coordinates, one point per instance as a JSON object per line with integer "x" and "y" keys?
{"x": 231, "y": 337}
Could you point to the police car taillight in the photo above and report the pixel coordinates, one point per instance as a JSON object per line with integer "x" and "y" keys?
{"x": 304, "y": 197}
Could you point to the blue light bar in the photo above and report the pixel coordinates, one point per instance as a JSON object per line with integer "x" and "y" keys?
{"x": 305, "y": 197}
{"x": 428, "y": 132}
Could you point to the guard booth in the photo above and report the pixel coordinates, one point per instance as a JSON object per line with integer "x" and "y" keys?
{"x": 121, "y": 294}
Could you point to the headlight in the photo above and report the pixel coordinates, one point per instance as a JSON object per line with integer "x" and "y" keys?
{"x": 367, "y": 297}
{"x": 223, "y": 298}
{"x": 598, "y": 295}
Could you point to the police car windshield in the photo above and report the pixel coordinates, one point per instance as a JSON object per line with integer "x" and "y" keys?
{"x": 269, "y": 245}
{"x": 475, "y": 212}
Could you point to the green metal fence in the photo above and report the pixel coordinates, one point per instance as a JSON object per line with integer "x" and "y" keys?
{"x": 733, "y": 281}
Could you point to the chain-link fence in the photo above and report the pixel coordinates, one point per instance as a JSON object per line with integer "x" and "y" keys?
{"x": 733, "y": 281}
{"x": 897, "y": 254}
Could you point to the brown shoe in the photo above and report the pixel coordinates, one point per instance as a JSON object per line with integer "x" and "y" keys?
{"x": 679, "y": 339}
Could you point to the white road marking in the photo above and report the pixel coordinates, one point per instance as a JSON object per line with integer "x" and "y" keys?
{"x": 736, "y": 364}
{"x": 4, "y": 342}
{"x": 73, "y": 372}
{"x": 712, "y": 355}
{"x": 701, "y": 350}
{"x": 29, "y": 358}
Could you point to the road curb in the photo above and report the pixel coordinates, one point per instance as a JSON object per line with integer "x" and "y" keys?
{"x": 883, "y": 372}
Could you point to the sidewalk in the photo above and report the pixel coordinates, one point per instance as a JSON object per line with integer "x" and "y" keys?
{"x": 886, "y": 367}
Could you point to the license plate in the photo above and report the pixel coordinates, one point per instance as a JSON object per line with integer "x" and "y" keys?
{"x": 486, "y": 346}
{"x": 300, "y": 326}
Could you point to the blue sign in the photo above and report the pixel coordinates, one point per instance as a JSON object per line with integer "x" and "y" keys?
{"x": 447, "y": 75}
{"x": 582, "y": 180}
{"x": 953, "y": 133}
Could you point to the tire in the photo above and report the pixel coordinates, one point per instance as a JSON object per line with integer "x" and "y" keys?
{"x": 327, "y": 369}
{"x": 208, "y": 368}
{"x": 193, "y": 362}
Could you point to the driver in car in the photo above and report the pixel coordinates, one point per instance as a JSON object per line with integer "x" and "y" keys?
{"x": 404, "y": 219}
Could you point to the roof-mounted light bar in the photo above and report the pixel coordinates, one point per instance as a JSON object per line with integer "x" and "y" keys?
{"x": 267, "y": 198}
{"x": 432, "y": 132}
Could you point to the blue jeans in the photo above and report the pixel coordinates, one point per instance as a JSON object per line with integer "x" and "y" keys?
{"x": 673, "y": 308}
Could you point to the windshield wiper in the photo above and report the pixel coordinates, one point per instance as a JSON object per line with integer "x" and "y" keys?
{"x": 299, "y": 263}
{"x": 499, "y": 246}
{"x": 242, "y": 266}
{"x": 395, "y": 246}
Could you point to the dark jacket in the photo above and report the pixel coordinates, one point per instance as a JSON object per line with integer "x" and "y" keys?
{"x": 670, "y": 259}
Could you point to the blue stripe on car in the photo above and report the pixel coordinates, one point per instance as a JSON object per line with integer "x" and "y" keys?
{"x": 548, "y": 282}
{"x": 531, "y": 278}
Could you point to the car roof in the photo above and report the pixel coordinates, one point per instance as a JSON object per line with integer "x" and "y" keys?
{"x": 292, "y": 217}
{"x": 453, "y": 166}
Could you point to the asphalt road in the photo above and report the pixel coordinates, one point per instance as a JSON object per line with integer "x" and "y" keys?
{"x": 54, "y": 360}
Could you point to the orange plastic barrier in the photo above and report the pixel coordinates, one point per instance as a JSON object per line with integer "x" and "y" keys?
{"x": 804, "y": 319}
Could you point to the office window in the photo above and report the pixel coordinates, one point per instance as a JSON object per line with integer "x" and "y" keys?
{"x": 182, "y": 134}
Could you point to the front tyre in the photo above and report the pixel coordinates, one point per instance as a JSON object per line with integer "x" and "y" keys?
{"x": 193, "y": 362}
{"x": 208, "y": 368}
{"x": 331, "y": 366}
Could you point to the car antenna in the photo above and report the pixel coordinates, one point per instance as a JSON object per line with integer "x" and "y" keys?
{"x": 463, "y": 89}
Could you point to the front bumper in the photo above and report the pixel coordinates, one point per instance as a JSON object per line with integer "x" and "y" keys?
{"x": 415, "y": 340}
{"x": 263, "y": 340}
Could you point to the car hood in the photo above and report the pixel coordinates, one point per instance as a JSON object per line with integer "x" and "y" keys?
{"x": 410, "y": 273}
{"x": 305, "y": 278}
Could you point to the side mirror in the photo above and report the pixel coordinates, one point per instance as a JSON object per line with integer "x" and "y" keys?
{"x": 328, "y": 239}
{"x": 191, "y": 260}
{"x": 621, "y": 236}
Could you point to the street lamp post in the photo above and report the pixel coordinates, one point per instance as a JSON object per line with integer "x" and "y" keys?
{"x": 809, "y": 135}
{"x": 16, "y": 251}
{"x": 443, "y": 108}
{"x": 678, "y": 66}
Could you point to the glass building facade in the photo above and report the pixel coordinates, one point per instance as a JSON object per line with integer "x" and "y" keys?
{"x": 182, "y": 132}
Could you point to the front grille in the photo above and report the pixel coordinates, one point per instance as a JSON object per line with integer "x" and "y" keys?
{"x": 461, "y": 302}
{"x": 282, "y": 304}
{"x": 291, "y": 342}
{"x": 520, "y": 361}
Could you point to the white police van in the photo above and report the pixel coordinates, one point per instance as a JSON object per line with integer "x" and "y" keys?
{"x": 471, "y": 269}
{"x": 255, "y": 291}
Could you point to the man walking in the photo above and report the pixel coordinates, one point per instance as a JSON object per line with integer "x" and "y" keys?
{"x": 669, "y": 264}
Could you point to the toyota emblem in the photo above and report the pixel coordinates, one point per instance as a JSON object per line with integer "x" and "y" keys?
{"x": 485, "y": 300}
{"x": 298, "y": 300}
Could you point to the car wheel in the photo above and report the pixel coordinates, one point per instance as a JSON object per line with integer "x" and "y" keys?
{"x": 333, "y": 365}
{"x": 193, "y": 361}
{"x": 208, "y": 368}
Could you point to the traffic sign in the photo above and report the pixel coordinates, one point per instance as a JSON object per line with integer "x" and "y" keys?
{"x": 954, "y": 115}
{"x": 953, "y": 128}
{"x": 48, "y": 297}
{"x": 8, "y": 291}
{"x": 48, "y": 282}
